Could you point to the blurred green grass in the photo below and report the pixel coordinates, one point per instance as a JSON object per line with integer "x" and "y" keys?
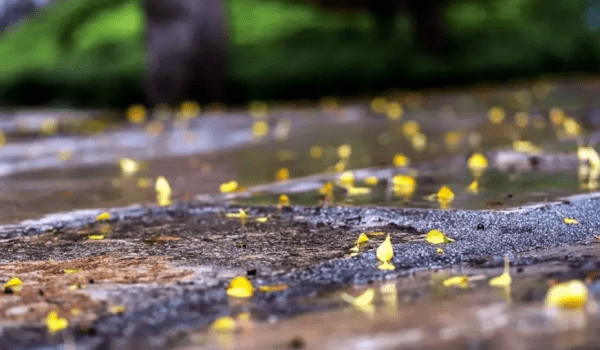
{"x": 80, "y": 53}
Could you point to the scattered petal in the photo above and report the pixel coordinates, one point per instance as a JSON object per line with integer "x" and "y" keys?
{"x": 473, "y": 187}
{"x": 366, "y": 298}
{"x": 400, "y": 160}
{"x": 504, "y": 279}
{"x": 344, "y": 151}
{"x": 567, "y": 295}
{"x": 439, "y": 251}
{"x": 273, "y": 288}
{"x": 136, "y": 114}
{"x": 118, "y": 309}
{"x": 570, "y": 221}
{"x": 371, "y": 180}
{"x": 284, "y": 200}
{"x": 228, "y": 187}
{"x": 260, "y": 129}
{"x": 445, "y": 196}
{"x": 460, "y": 281}
{"x": 437, "y": 237}
{"x": 14, "y": 283}
{"x": 55, "y": 323}
{"x": 240, "y": 287}
{"x": 95, "y": 237}
{"x": 496, "y": 115}
{"x": 282, "y": 174}
{"x": 262, "y": 219}
{"x": 477, "y": 164}
{"x": 223, "y": 324}
{"x": 346, "y": 179}
{"x": 385, "y": 252}
{"x": 128, "y": 166}
{"x": 362, "y": 238}
{"x": 358, "y": 191}
{"x": 404, "y": 186}
{"x": 103, "y": 216}
{"x": 71, "y": 271}
{"x": 163, "y": 191}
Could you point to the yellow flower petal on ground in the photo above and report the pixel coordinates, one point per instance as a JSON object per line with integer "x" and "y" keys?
{"x": 362, "y": 238}
{"x": 504, "y": 279}
{"x": 284, "y": 200}
{"x": 571, "y": 127}
{"x": 118, "y": 309}
{"x": 95, "y": 237}
{"x": 163, "y": 191}
{"x": 282, "y": 174}
{"x": 260, "y": 129}
{"x": 401, "y": 160}
{"x": 477, "y": 163}
{"x": 371, "y": 180}
{"x": 228, "y": 187}
{"x": 241, "y": 214}
{"x": 437, "y": 237}
{"x": 340, "y": 166}
{"x": 410, "y": 128}
{"x": 419, "y": 141}
{"x": 439, "y": 251}
{"x": 136, "y": 114}
{"x": 404, "y": 185}
{"x": 240, "y": 287}
{"x": 570, "y": 221}
{"x": 103, "y": 216}
{"x": 128, "y": 166}
{"x": 386, "y": 265}
{"x": 385, "y": 251}
{"x": 346, "y": 179}
{"x": 14, "y": 283}
{"x": 496, "y": 115}
{"x": 71, "y": 271}
{"x": 526, "y": 147}
{"x": 316, "y": 152}
{"x": 262, "y": 220}
{"x": 55, "y": 323}
{"x": 273, "y": 288}
{"x": 567, "y": 295}
{"x": 358, "y": 191}
{"x": 445, "y": 196}
{"x": 344, "y": 151}
{"x": 473, "y": 187}
{"x": 366, "y": 298}
{"x": 327, "y": 189}
{"x": 459, "y": 281}
{"x": 378, "y": 105}
{"x": 223, "y": 324}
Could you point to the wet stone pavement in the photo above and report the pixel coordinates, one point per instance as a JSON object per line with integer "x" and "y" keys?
{"x": 168, "y": 268}
{"x": 154, "y": 277}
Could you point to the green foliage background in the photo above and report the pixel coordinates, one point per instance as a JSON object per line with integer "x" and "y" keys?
{"x": 91, "y": 53}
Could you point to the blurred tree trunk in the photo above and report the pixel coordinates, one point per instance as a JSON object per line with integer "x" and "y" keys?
{"x": 187, "y": 51}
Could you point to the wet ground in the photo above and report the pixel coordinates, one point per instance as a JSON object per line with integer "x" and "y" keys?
{"x": 155, "y": 277}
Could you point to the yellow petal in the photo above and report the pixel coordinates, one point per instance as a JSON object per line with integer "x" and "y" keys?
{"x": 366, "y": 298}
{"x": 568, "y": 295}
{"x": 439, "y": 251}
{"x": 260, "y": 129}
{"x": 103, "y": 216}
{"x": 473, "y": 187}
{"x": 500, "y": 281}
{"x": 386, "y": 265}
{"x": 273, "y": 288}
{"x": 13, "y": 282}
{"x": 118, "y": 309}
{"x": 496, "y": 115}
{"x": 223, "y": 324}
{"x": 262, "y": 220}
{"x": 371, "y": 180}
{"x": 71, "y": 271}
{"x": 128, "y": 166}
{"x": 284, "y": 200}
{"x": 282, "y": 174}
{"x": 445, "y": 196}
{"x": 401, "y": 160}
{"x": 347, "y": 179}
{"x": 240, "y": 287}
{"x": 95, "y": 237}
{"x": 136, "y": 114}
{"x": 228, "y": 187}
{"x": 460, "y": 281}
{"x": 55, "y": 323}
{"x": 437, "y": 237}
{"x": 385, "y": 252}
{"x": 344, "y": 151}
{"x": 570, "y": 221}
{"x": 362, "y": 238}
{"x": 358, "y": 191}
